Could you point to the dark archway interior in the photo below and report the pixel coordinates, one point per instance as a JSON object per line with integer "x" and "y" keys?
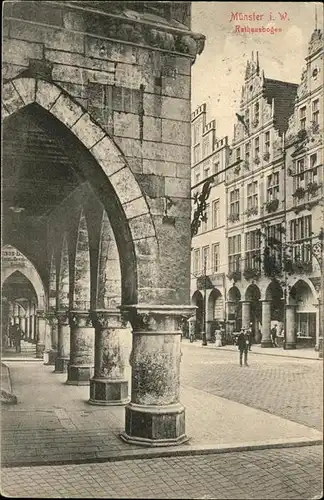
{"x": 16, "y": 290}
{"x": 274, "y": 293}
{"x": 43, "y": 163}
{"x": 234, "y": 294}
{"x": 198, "y": 300}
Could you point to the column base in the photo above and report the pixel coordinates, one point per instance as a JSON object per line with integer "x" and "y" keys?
{"x": 50, "y": 357}
{"x": 154, "y": 425}
{"x": 79, "y": 374}
{"x": 61, "y": 365}
{"x": 289, "y": 345}
{"x": 266, "y": 343}
{"x": 108, "y": 392}
{"x": 40, "y": 348}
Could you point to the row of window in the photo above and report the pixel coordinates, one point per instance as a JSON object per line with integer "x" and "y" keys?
{"x": 201, "y": 261}
{"x": 302, "y": 178}
{"x": 306, "y": 173}
{"x": 300, "y": 229}
{"x": 213, "y": 219}
{"x": 256, "y": 148}
{"x": 315, "y": 106}
{"x": 208, "y": 170}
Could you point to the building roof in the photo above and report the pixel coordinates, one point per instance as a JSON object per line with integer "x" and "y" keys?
{"x": 284, "y": 95}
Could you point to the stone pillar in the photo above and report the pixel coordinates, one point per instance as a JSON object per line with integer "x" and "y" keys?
{"x": 21, "y": 320}
{"x": 109, "y": 385}
{"x": 40, "y": 333}
{"x": 31, "y": 327}
{"x": 155, "y": 415}
{"x": 246, "y": 314}
{"x": 290, "y": 327}
{"x": 81, "y": 364}
{"x": 63, "y": 342}
{"x": 16, "y": 314}
{"x": 317, "y": 325}
{"x": 266, "y": 324}
{"x": 51, "y": 353}
{"x": 257, "y": 333}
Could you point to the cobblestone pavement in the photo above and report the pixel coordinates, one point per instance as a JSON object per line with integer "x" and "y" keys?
{"x": 290, "y": 388}
{"x": 283, "y": 474}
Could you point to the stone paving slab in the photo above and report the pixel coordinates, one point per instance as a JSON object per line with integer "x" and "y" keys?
{"x": 267, "y": 474}
{"x": 300, "y": 353}
{"x": 53, "y": 423}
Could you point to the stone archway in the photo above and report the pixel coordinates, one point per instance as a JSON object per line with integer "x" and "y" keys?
{"x": 114, "y": 182}
{"x": 151, "y": 291}
{"x": 198, "y": 301}
{"x": 31, "y": 275}
{"x": 251, "y": 311}
{"x": 215, "y": 311}
{"x": 274, "y": 294}
{"x": 302, "y": 315}
{"x": 19, "y": 305}
{"x": 233, "y": 311}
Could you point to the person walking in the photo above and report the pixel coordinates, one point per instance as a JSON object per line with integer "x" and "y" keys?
{"x": 273, "y": 332}
{"x": 18, "y": 338}
{"x": 243, "y": 345}
{"x": 250, "y": 335}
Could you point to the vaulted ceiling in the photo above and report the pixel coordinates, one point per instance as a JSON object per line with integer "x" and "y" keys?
{"x": 37, "y": 174}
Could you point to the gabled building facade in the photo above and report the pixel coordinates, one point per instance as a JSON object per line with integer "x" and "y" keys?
{"x": 305, "y": 211}
{"x": 256, "y": 202}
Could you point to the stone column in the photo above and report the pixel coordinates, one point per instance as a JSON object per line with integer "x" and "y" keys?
{"x": 63, "y": 342}
{"x": 51, "y": 353}
{"x": 246, "y": 314}
{"x": 81, "y": 364}
{"x": 317, "y": 325}
{"x": 16, "y": 314}
{"x": 21, "y": 319}
{"x": 155, "y": 415}
{"x": 109, "y": 385}
{"x": 266, "y": 324}
{"x": 40, "y": 333}
{"x": 290, "y": 327}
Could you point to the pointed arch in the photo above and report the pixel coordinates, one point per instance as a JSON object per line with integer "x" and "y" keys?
{"x": 114, "y": 181}
{"x": 109, "y": 275}
{"x": 52, "y": 284}
{"x": 81, "y": 288}
{"x": 63, "y": 278}
{"x": 33, "y": 277}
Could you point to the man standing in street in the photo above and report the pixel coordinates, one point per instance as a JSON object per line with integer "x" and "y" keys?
{"x": 243, "y": 345}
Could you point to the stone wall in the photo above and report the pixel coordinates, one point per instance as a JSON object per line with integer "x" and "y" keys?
{"x": 138, "y": 90}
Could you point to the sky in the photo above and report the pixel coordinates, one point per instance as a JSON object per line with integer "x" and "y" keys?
{"x": 218, "y": 73}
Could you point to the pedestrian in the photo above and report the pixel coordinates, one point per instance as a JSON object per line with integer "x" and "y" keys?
{"x": 192, "y": 328}
{"x": 250, "y": 335}
{"x": 18, "y": 338}
{"x": 273, "y": 332}
{"x": 12, "y": 335}
{"x": 243, "y": 345}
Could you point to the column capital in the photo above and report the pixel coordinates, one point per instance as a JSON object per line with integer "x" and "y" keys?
{"x": 62, "y": 317}
{"x": 109, "y": 318}
{"x": 81, "y": 319}
{"x": 164, "y": 319}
